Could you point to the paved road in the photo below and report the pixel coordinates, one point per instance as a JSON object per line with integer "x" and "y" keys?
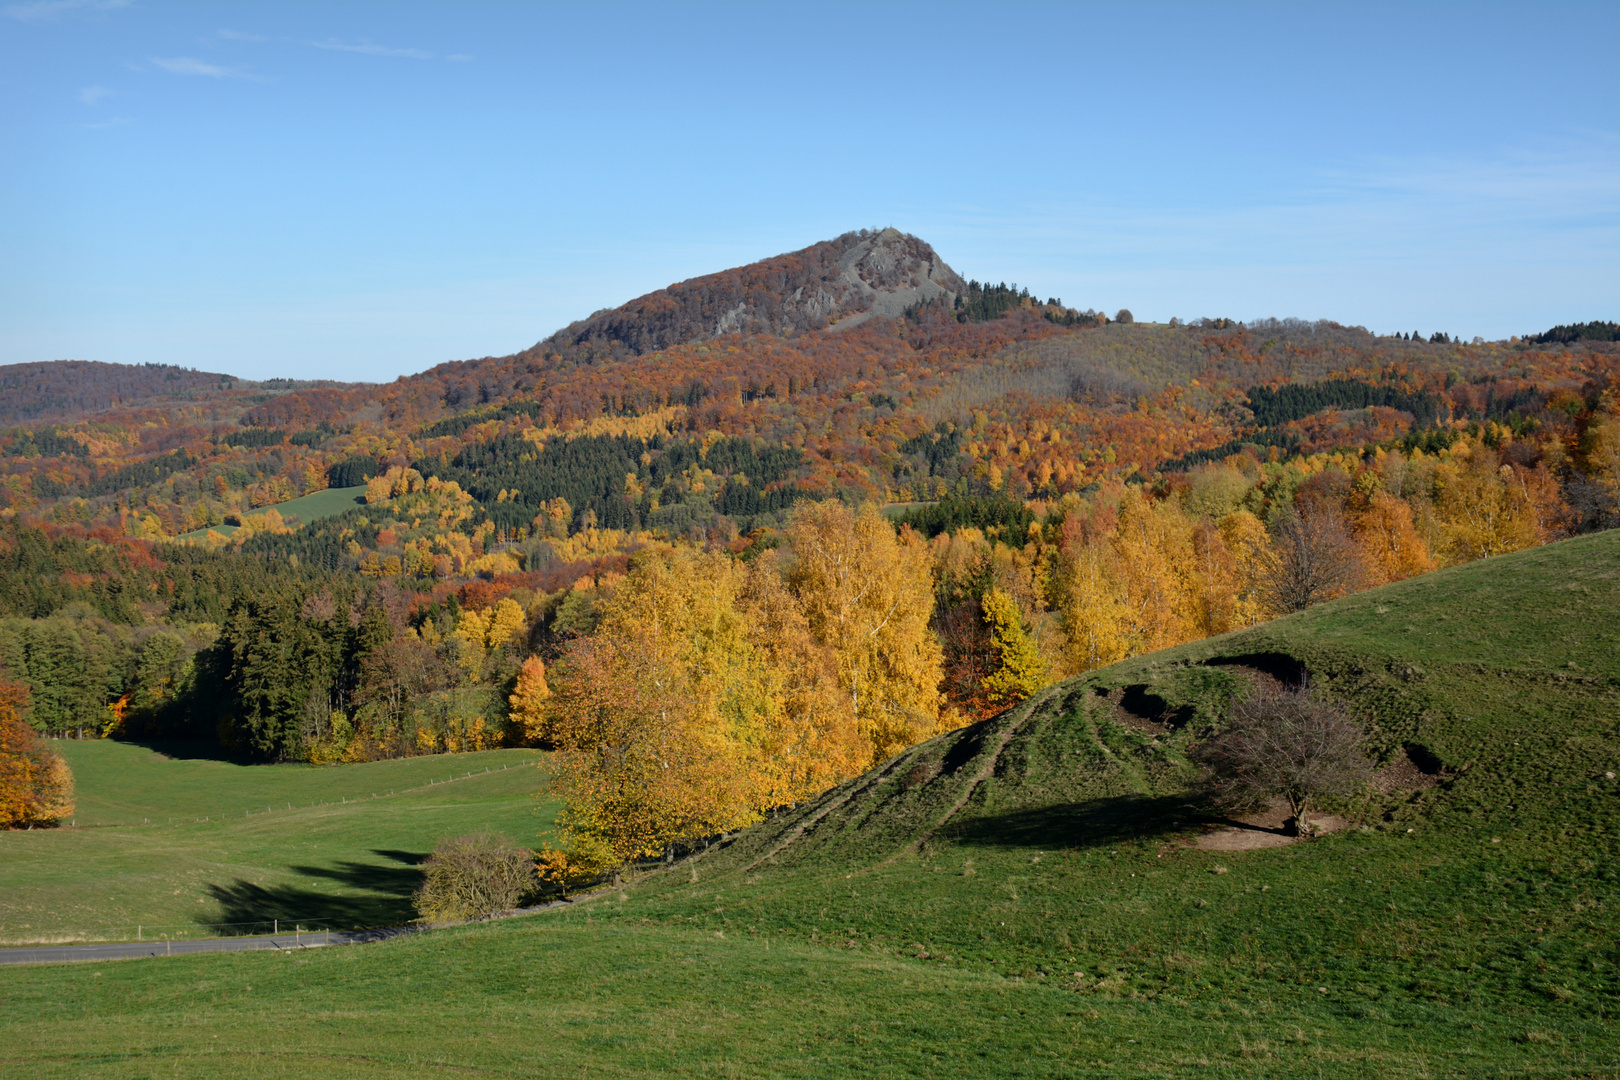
{"x": 131, "y": 949}
{"x": 308, "y": 939}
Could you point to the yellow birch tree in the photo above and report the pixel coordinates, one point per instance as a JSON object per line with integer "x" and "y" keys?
{"x": 868, "y": 595}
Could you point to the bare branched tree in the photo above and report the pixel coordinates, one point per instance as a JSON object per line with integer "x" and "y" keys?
{"x": 1284, "y": 744}
{"x": 1311, "y": 558}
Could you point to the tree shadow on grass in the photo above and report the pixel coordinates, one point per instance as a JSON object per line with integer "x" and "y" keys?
{"x": 187, "y": 749}
{"x": 409, "y": 858}
{"x": 385, "y": 901}
{"x": 1094, "y": 823}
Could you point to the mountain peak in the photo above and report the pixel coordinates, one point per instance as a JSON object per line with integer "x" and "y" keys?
{"x": 836, "y": 283}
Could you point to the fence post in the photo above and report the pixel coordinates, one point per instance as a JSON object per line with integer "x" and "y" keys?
{"x": 275, "y": 927}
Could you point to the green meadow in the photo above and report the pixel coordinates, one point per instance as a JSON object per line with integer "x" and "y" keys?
{"x": 1029, "y": 898}
{"x": 174, "y": 845}
{"x": 622, "y": 994}
{"x": 328, "y": 502}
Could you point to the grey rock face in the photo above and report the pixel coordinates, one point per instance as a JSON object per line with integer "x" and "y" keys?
{"x": 839, "y": 283}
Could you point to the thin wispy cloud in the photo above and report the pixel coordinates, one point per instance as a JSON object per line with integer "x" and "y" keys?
{"x": 1583, "y": 166}
{"x": 369, "y": 48}
{"x": 186, "y": 65}
{"x": 1371, "y": 205}
{"x": 238, "y": 35}
{"x": 50, "y": 10}
{"x": 92, "y": 94}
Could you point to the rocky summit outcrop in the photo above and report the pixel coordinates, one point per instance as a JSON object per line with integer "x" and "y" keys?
{"x": 836, "y": 283}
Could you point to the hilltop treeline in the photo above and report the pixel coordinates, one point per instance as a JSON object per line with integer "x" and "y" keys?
{"x": 63, "y": 387}
{"x": 1568, "y": 335}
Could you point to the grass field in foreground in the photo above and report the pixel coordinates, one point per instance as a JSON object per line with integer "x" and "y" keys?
{"x": 579, "y": 995}
{"x": 300, "y": 511}
{"x": 344, "y": 854}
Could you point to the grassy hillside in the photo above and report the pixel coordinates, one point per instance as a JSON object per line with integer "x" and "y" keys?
{"x": 1502, "y": 678}
{"x": 1026, "y": 897}
{"x": 1053, "y": 842}
{"x": 174, "y": 845}
{"x": 301, "y": 511}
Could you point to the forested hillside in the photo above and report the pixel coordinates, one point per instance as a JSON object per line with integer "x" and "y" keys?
{"x": 76, "y": 387}
{"x": 1063, "y": 490}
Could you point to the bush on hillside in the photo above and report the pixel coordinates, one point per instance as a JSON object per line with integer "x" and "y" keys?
{"x": 1284, "y": 744}
{"x": 36, "y": 787}
{"x": 470, "y": 876}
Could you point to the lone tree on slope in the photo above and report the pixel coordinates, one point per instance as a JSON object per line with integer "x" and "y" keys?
{"x": 1284, "y": 744}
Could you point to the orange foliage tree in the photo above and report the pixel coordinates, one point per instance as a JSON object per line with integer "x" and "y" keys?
{"x": 36, "y": 787}
{"x": 1388, "y": 534}
{"x": 529, "y": 698}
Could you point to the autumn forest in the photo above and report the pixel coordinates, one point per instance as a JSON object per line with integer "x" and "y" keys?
{"x": 743, "y": 538}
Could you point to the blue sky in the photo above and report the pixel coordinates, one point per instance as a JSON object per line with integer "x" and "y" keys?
{"x": 363, "y": 190}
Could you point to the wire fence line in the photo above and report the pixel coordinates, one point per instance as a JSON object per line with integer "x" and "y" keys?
{"x": 130, "y": 950}
{"x": 299, "y": 937}
{"x": 159, "y": 932}
{"x": 192, "y": 819}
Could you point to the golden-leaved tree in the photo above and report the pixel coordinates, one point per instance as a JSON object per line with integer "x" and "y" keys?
{"x": 867, "y": 594}
{"x": 1603, "y": 457}
{"x": 1091, "y": 602}
{"x": 813, "y": 739}
{"x": 1143, "y": 574}
{"x": 1153, "y": 550}
{"x": 658, "y": 716}
{"x": 1219, "y": 599}
{"x": 1486, "y": 507}
{"x": 482, "y": 634}
{"x": 710, "y": 691}
{"x": 529, "y": 700}
{"x": 1021, "y": 671}
{"x": 1123, "y": 585}
{"x": 1387, "y": 532}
